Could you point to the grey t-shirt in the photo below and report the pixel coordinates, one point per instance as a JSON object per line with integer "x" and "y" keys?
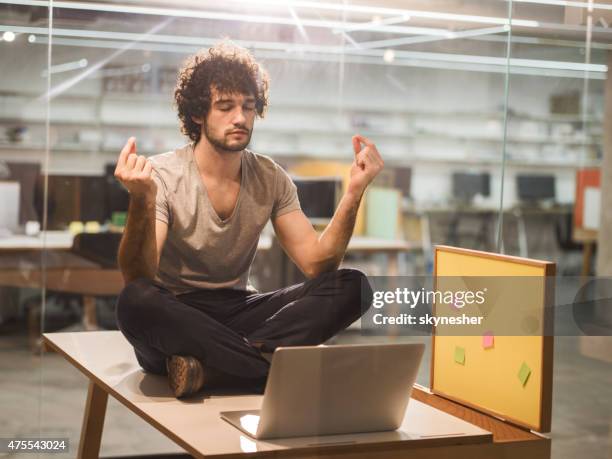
{"x": 201, "y": 250}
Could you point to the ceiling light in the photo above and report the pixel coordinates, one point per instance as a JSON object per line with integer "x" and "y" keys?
{"x": 8, "y": 36}
{"x": 389, "y": 56}
{"x": 65, "y": 67}
{"x": 31, "y": 38}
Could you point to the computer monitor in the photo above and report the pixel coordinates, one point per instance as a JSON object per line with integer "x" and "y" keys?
{"x": 9, "y": 205}
{"x": 28, "y": 176}
{"x": 76, "y": 198}
{"x": 466, "y": 185}
{"x": 403, "y": 179}
{"x": 533, "y": 188}
{"x": 117, "y": 196}
{"x": 94, "y": 206}
{"x": 318, "y": 196}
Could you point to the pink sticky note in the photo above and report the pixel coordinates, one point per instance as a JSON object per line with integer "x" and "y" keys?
{"x": 488, "y": 340}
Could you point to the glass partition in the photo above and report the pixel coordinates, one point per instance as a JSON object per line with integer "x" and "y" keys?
{"x": 488, "y": 115}
{"x": 23, "y": 115}
{"x": 558, "y": 71}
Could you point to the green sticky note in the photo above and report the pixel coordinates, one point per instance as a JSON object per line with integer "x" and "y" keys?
{"x": 460, "y": 355}
{"x": 119, "y": 218}
{"x": 523, "y": 374}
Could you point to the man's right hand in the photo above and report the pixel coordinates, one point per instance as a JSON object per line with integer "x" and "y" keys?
{"x": 134, "y": 172}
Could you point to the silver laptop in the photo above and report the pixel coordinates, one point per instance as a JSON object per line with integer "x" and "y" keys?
{"x": 326, "y": 390}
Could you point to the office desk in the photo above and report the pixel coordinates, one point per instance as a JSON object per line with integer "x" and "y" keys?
{"x": 433, "y": 427}
{"x": 392, "y": 248}
{"x": 588, "y": 239}
{"x": 21, "y": 266}
{"x": 48, "y": 240}
{"x": 89, "y": 282}
{"x": 62, "y": 240}
{"x": 21, "y": 263}
{"x": 365, "y": 244}
{"x": 485, "y": 238}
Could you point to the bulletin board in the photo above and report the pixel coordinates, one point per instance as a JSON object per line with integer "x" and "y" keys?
{"x": 507, "y": 376}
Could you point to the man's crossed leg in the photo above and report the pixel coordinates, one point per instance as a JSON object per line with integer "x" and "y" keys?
{"x": 226, "y": 330}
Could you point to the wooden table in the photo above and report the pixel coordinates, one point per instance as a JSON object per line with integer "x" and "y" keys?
{"x": 49, "y": 240}
{"x": 392, "y": 248}
{"x": 433, "y": 427}
{"x": 22, "y": 263}
{"x": 588, "y": 239}
{"x": 88, "y": 282}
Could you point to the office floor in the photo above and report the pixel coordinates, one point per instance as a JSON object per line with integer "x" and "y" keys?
{"x": 48, "y": 395}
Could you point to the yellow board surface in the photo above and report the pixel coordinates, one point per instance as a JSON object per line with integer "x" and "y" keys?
{"x": 486, "y": 377}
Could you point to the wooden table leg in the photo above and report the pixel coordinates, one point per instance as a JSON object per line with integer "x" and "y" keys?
{"x": 93, "y": 422}
{"x": 34, "y": 325}
{"x": 393, "y": 264}
{"x": 392, "y": 273}
{"x": 587, "y": 254}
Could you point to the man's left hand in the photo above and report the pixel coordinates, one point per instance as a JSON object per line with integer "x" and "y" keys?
{"x": 367, "y": 164}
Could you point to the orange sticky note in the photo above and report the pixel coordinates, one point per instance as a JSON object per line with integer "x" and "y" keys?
{"x": 488, "y": 340}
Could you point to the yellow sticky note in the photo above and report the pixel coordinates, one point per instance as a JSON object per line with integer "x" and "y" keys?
{"x": 460, "y": 355}
{"x": 523, "y": 374}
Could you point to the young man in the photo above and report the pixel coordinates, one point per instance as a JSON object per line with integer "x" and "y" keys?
{"x": 194, "y": 220}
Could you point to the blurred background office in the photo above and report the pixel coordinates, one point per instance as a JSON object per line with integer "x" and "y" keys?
{"x": 493, "y": 117}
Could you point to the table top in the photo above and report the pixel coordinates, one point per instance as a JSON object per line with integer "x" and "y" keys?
{"x": 373, "y": 244}
{"x": 108, "y": 359}
{"x": 81, "y": 281}
{"x": 585, "y": 235}
{"x": 62, "y": 240}
{"x": 50, "y": 240}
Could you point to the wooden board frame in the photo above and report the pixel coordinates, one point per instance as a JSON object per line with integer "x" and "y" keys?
{"x": 546, "y": 386}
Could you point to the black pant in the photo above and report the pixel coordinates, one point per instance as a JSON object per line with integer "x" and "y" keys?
{"x": 226, "y": 329}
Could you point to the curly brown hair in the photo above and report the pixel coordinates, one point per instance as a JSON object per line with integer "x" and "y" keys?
{"x": 230, "y": 69}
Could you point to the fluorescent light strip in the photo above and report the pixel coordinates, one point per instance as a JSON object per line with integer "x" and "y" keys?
{"x": 326, "y": 6}
{"x": 373, "y": 10}
{"x": 249, "y": 18}
{"x": 67, "y": 84}
{"x": 587, "y": 5}
{"x": 174, "y": 39}
{"x": 331, "y": 58}
{"x": 545, "y": 42}
{"x": 422, "y": 39}
{"x": 369, "y": 25}
{"x": 370, "y": 10}
{"x": 337, "y": 7}
{"x": 531, "y": 63}
{"x": 111, "y": 72}
{"x": 576, "y": 28}
{"x": 66, "y": 67}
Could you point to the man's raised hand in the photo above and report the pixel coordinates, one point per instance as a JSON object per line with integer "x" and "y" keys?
{"x": 134, "y": 172}
{"x": 368, "y": 163}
